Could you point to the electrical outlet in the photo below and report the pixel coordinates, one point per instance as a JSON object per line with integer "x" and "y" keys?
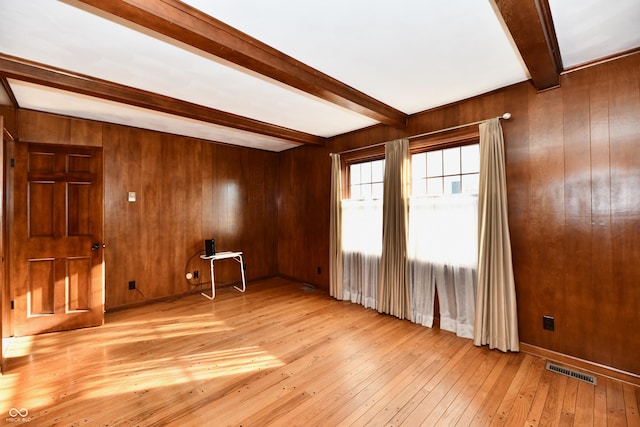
{"x": 196, "y": 274}
{"x": 548, "y": 323}
{"x": 132, "y": 285}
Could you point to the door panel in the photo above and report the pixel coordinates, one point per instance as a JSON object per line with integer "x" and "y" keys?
{"x": 57, "y": 272}
{"x": 40, "y": 286}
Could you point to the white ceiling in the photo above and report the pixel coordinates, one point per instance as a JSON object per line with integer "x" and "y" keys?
{"x": 591, "y": 29}
{"x": 410, "y": 54}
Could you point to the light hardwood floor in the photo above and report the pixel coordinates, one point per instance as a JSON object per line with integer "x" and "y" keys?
{"x": 284, "y": 354}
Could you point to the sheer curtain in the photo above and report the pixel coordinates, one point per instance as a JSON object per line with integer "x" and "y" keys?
{"x": 496, "y": 319}
{"x": 443, "y": 256}
{"x": 361, "y": 250}
{"x": 335, "y": 230}
{"x": 393, "y": 283}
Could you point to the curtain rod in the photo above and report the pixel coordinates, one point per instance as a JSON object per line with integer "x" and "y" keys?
{"x": 505, "y": 116}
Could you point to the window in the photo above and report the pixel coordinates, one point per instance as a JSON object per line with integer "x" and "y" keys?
{"x": 366, "y": 180}
{"x": 442, "y": 240}
{"x": 362, "y": 230}
{"x": 442, "y": 234}
{"x": 446, "y": 171}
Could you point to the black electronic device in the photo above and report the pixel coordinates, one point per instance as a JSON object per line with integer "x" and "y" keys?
{"x": 210, "y": 247}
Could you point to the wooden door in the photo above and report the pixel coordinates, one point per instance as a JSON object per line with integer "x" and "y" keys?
{"x": 56, "y": 239}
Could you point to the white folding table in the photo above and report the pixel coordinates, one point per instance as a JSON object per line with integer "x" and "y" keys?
{"x": 217, "y": 257}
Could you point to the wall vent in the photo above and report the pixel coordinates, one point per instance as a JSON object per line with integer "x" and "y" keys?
{"x": 571, "y": 373}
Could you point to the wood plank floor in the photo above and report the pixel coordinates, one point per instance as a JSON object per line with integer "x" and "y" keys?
{"x": 285, "y": 354}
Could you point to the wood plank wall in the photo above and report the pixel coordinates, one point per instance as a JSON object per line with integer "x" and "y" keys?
{"x": 303, "y": 216}
{"x": 573, "y": 177}
{"x": 187, "y": 190}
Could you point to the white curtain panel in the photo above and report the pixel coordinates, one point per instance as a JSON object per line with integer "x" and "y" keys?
{"x": 361, "y": 250}
{"x": 443, "y": 256}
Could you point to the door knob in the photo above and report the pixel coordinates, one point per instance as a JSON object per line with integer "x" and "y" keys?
{"x": 96, "y": 246}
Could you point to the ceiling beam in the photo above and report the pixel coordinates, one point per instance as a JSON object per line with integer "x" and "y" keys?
{"x": 9, "y": 92}
{"x": 19, "y": 69}
{"x": 531, "y": 26}
{"x": 181, "y": 22}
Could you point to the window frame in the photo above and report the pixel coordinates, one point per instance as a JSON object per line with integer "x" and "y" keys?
{"x": 457, "y": 138}
{"x": 369, "y": 154}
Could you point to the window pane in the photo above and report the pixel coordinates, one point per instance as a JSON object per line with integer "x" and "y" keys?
{"x": 434, "y": 163}
{"x": 419, "y": 187}
{"x": 377, "y": 190}
{"x": 366, "y": 191}
{"x": 451, "y": 161}
{"x": 471, "y": 158}
{"x": 354, "y": 173}
{"x": 452, "y": 184}
{"x": 470, "y": 183}
{"x": 365, "y": 172}
{"x": 377, "y": 171}
{"x": 356, "y": 193}
{"x": 419, "y": 165}
{"x": 434, "y": 186}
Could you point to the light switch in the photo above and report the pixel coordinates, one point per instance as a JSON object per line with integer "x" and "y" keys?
{"x": 132, "y": 196}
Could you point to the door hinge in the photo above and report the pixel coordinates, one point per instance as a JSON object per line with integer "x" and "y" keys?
{"x": 12, "y": 163}
{"x": 12, "y": 305}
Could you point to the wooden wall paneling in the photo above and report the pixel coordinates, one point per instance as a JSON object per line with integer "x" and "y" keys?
{"x": 45, "y": 128}
{"x": 188, "y": 205}
{"x": 518, "y": 174}
{"x": 301, "y": 231}
{"x": 440, "y": 118}
{"x": 169, "y": 203}
{"x": 239, "y": 211}
{"x": 85, "y": 132}
{"x": 227, "y": 208}
{"x": 123, "y": 220}
{"x": 317, "y": 217}
{"x": 576, "y": 325}
{"x": 625, "y": 199}
{"x": 481, "y": 108}
{"x": 259, "y": 170}
{"x": 208, "y": 216}
{"x": 187, "y": 191}
{"x": 601, "y": 244}
{"x": 547, "y": 216}
{"x": 303, "y": 240}
{"x": 291, "y": 201}
{"x": 156, "y": 258}
{"x": 215, "y": 220}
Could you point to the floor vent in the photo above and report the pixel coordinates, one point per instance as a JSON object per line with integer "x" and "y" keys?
{"x": 571, "y": 373}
